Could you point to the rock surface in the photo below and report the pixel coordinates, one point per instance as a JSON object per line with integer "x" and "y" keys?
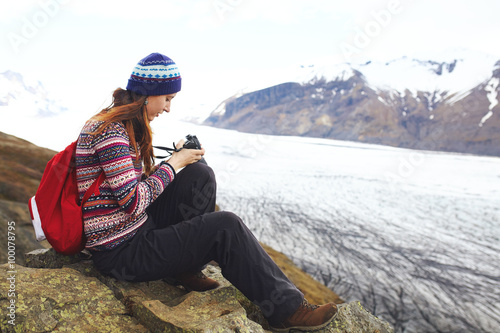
{"x": 62, "y": 300}
{"x": 77, "y": 298}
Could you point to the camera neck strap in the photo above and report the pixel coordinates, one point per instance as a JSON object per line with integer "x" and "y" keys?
{"x": 168, "y": 150}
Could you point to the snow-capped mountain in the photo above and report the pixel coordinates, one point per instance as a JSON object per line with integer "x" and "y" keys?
{"x": 29, "y": 111}
{"x": 31, "y": 98}
{"x": 448, "y": 104}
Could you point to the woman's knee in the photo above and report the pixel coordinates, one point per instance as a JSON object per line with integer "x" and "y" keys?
{"x": 198, "y": 180}
{"x": 200, "y": 170}
{"x": 229, "y": 216}
{"x": 229, "y": 221}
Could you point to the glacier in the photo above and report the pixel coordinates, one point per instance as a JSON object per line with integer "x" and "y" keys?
{"x": 412, "y": 234}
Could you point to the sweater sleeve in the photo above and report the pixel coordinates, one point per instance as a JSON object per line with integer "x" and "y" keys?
{"x": 134, "y": 196}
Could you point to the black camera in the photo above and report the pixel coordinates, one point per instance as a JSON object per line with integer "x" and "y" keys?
{"x": 192, "y": 142}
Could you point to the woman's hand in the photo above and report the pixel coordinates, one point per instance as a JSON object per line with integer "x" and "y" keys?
{"x": 185, "y": 156}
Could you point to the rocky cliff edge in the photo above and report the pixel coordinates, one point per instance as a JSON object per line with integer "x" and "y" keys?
{"x": 61, "y": 293}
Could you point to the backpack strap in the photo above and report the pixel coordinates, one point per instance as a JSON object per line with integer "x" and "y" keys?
{"x": 94, "y": 188}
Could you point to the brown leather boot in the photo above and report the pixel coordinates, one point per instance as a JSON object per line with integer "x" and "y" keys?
{"x": 308, "y": 317}
{"x": 197, "y": 281}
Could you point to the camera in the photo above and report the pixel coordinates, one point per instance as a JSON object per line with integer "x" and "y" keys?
{"x": 192, "y": 142}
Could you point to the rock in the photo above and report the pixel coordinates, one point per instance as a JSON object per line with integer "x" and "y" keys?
{"x": 48, "y": 258}
{"x": 162, "y": 307}
{"x": 76, "y": 297}
{"x": 16, "y": 215}
{"x": 215, "y": 310}
{"x": 61, "y": 299}
{"x": 354, "y": 318}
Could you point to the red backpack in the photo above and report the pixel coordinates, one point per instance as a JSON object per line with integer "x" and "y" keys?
{"x": 56, "y": 212}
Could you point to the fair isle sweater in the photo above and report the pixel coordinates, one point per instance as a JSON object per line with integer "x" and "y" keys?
{"x": 114, "y": 215}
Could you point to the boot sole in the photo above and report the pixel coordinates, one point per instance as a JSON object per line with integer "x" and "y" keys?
{"x": 305, "y": 328}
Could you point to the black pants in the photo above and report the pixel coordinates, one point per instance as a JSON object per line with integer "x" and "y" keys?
{"x": 183, "y": 233}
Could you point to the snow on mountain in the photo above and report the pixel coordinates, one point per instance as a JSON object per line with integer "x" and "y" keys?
{"x": 29, "y": 111}
{"x": 31, "y": 98}
{"x": 455, "y": 72}
{"x": 491, "y": 89}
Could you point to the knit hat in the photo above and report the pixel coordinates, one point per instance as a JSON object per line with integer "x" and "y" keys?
{"x": 155, "y": 75}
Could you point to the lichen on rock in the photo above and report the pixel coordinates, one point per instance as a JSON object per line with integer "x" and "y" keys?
{"x": 62, "y": 300}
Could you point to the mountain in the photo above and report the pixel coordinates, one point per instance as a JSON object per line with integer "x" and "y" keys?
{"x": 449, "y": 104}
{"x": 20, "y": 95}
{"x": 29, "y": 111}
{"x": 21, "y": 167}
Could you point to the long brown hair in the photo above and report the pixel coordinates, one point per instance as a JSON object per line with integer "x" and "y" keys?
{"x": 128, "y": 107}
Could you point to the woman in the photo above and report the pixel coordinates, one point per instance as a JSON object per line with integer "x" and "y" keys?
{"x": 158, "y": 222}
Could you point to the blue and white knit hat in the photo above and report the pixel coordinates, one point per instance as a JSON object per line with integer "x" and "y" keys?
{"x": 155, "y": 75}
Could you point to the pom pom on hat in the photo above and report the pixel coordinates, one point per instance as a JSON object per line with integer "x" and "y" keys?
{"x": 155, "y": 75}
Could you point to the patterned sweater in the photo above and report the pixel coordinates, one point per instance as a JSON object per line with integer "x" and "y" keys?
{"x": 119, "y": 210}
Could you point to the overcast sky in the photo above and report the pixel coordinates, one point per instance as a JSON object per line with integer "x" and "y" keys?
{"x": 81, "y": 50}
